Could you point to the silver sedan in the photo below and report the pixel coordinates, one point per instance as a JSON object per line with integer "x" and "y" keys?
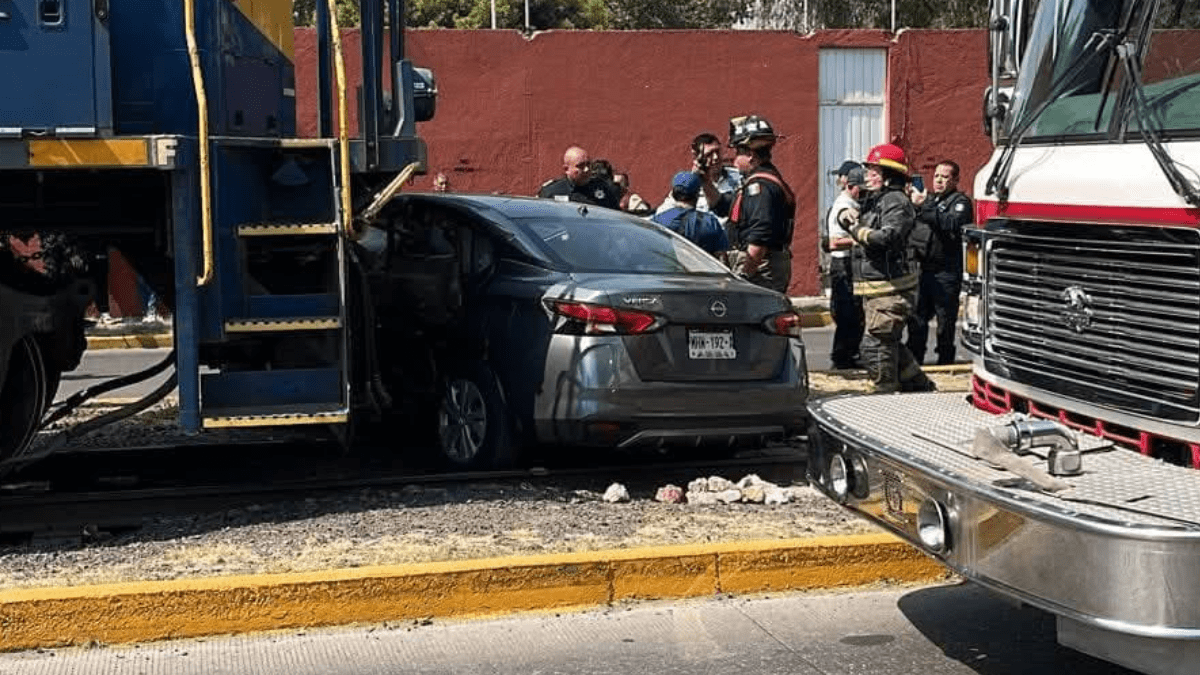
{"x": 542, "y": 322}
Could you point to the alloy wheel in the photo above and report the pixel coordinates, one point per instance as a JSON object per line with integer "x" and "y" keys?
{"x": 462, "y": 421}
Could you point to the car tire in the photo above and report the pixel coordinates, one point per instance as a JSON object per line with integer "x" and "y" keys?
{"x": 474, "y": 429}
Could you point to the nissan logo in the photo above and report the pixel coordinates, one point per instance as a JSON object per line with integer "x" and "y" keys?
{"x": 718, "y": 308}
{"x": 1077, "y": 315}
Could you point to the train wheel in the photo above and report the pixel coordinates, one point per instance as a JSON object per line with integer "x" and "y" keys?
{"x": 22, "y": 398}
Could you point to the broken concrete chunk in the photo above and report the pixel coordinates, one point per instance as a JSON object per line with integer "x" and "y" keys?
{"x": 729, "y": 496}
{"x": 775, "y": 495}
{"x": 719, "y": 484}
{"x": 698, "y": 485}
{"x": 796, "y": 492}
{"x": 669, "y": 494}
{"x": 701, "y": 498}
{"x": 616, "y": 493}
{"x": 754, "y": 494}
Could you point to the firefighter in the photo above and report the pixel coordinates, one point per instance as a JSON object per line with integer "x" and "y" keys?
{"x": 762, "y": 210}
{"x": 882, "y": 272}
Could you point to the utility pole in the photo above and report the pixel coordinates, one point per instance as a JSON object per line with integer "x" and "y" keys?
{"x": 526, "y": 16}
{"x": 493, "y": 14}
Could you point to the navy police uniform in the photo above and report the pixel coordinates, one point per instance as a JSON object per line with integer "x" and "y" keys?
{"x": 947, "y": 214}
{"x": 596, "y": 192}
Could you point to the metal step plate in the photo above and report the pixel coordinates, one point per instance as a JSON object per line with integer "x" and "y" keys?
{"x": 274, "y": 416}
{"x": 287, "y": 229}
{"x": 282, "y": 325}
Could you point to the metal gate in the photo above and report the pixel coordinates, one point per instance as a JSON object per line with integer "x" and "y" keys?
{"x": 852, "y": 87}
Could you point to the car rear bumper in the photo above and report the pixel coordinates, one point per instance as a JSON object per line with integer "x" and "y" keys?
{"x": 592, "y": 395}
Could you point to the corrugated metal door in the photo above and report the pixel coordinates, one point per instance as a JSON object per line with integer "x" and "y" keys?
{"x": 852, "y": 87}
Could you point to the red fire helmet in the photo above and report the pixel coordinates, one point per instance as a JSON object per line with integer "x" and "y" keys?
{"x": 888, "y": 156}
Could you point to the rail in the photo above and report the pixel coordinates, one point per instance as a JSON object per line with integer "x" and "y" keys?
{"x": 206, "y": 234}
{"x": 339, "y": 60}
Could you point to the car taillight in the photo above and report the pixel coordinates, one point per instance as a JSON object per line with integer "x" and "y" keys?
{"x": 585, "y": 319}
{"x": 784, "y": 323}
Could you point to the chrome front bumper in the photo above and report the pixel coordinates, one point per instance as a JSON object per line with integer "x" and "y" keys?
{"x": 1118, "y": 551}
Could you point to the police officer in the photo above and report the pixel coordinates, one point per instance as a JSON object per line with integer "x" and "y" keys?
{"x": 882, "y": 273}
{"x": 762, "y": 210}
{"x": 947, "y": 211}
{"x": 845, "y": 308}
{"x": 578, "y": 184}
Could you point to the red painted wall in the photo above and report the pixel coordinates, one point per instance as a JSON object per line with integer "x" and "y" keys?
{"x": 509, "y": 106}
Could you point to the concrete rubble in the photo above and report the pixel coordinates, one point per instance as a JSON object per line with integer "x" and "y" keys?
{"x": 616, "y": 494}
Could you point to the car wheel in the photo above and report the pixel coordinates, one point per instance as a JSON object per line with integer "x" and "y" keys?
{"x": 473, "y": 426}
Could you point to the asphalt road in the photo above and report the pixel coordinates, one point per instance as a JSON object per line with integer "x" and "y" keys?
{"x": 104, "y": 364}
{"x": 935, "y": 630}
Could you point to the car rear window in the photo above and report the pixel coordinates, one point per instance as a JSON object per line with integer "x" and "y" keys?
{"x": 599, "y": 244}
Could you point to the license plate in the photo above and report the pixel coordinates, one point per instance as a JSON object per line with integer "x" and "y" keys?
{"x": 711, "y": 344}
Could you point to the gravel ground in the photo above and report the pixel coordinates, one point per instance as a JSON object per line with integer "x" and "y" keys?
{"x": 419, "y": 524}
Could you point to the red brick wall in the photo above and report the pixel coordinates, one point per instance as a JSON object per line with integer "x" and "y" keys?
{"x": 508, "y": 106}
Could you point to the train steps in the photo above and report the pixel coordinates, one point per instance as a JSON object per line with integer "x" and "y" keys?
{"x": 274, "y": 331}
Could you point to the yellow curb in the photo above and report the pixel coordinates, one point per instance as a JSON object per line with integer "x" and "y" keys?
{"x": 815, "y": 319}
{"x": 147, "y": 341}
{"x": 951, "y": 369}
{"x": 147, "y": 611}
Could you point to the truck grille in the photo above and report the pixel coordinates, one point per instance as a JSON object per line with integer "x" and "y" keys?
{"x": 1104, "y": 315}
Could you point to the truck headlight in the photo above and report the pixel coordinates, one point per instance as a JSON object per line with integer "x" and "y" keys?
{"x": 933, "y": 526}
{"x": 838, "y": 476}
{"x": 971, "y": 259}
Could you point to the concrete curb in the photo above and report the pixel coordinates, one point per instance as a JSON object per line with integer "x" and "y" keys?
{"x": 142, "y": 612}
{"x": 130, "y": 341}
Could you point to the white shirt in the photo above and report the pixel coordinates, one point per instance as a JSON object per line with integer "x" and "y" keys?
{"x": 833, "y": 227}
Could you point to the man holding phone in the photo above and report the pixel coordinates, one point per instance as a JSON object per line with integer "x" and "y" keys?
{"x": 708, "y": 162}
{"x": 947, "y": 211}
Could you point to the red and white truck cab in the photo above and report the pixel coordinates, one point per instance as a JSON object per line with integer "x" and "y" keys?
{"x": 1067, "y": 479}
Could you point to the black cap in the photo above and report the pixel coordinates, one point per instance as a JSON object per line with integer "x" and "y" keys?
{"x": 847, "y": 166}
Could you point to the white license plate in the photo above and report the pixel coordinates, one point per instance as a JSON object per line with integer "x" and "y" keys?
{"x": 711, "y": 344}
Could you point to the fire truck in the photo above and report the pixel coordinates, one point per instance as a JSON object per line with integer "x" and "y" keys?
{"x": 1067, "y": 478}
{"x": 166, "y": 130}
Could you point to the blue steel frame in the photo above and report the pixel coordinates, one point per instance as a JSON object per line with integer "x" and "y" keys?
{"x": 185, "y": 212}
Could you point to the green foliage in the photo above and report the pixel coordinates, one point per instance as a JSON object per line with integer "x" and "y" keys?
{"x": 543, "y": 14}
{"x": 798, "y": 15}
{"x": 804, "y": 16}
{"x": 304, "y": 12}
{"x": 668, "y": 14}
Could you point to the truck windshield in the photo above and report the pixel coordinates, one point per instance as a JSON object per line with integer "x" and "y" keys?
{"x": 1063, "y": 32}
{"x": 1171, "y": 70}
{"x": 1168, "y": 42}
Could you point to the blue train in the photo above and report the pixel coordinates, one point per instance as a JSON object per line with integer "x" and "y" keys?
{"x": 166, "y": 129}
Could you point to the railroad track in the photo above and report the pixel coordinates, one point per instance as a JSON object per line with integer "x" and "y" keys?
{"x": 101, "y": 497}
